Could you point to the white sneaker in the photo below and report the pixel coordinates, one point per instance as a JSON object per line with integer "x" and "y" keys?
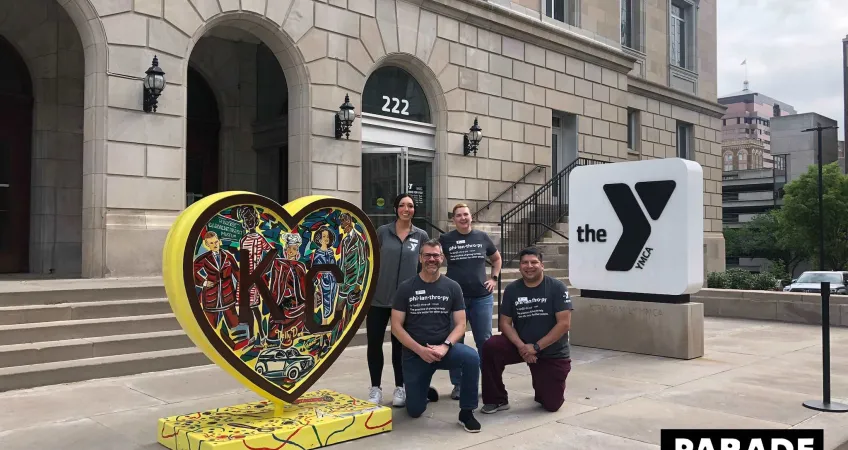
{"x": 375, "y": 395}
{"x": 399, "y": 399}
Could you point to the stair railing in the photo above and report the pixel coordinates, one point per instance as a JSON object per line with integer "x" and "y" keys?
{"x": 537, "y": 168}
{"x": 524, "y": 224}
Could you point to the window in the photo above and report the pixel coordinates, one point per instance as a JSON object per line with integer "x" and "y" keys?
{"x": 728, "y": 160}
{"x": 742, "y": 156}
{"x": 681, "y": 26}
{"x": 565, "y": 11}
{"x": 633, "y": 131}
{"x": 631, "y": 24}
{"x": 684, "y": 141}
{"x": 678, "y": 36}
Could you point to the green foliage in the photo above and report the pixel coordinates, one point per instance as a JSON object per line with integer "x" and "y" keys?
{"x": 763, "y": 282}
{"x": 738, "y": 279}
{"x": 741, "y": 279}
{"x": 717, "y": 280}
{"x": 790, "y": 234}
{"x": 799, "y": 216}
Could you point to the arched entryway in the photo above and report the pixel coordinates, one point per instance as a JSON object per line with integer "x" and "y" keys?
{"x": 16, "y": 103}
{"x": 237, "y": 121}
{"x": 203, "y": 126}
{"x": 398, "y": 145}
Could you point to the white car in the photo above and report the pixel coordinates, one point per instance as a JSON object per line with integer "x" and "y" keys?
{"x": 811, "y": 282}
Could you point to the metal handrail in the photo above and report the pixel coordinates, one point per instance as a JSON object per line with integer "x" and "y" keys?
{"x": 546, "y": 226}
{"x": 538, "y": 168}
{"x": 540, "y": 211}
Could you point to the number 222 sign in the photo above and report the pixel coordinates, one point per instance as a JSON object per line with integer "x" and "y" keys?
{"x": 397, "y": 103}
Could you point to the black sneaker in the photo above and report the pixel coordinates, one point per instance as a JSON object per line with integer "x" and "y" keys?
{"x": 432, "y": 394}
{"x": 493, "y": 408}
{"x": 467, "y": 420}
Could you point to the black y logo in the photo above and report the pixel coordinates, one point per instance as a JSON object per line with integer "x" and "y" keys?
{"x": 635, "y": 226}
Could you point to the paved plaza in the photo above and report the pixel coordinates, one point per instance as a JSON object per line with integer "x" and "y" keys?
{"x": 754, "y": 375}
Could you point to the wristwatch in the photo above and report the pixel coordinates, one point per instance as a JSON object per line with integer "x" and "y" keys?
{"x": 495, "y": 277}
{"x": 448, "y": 343}
{"x": 536, "y": 347}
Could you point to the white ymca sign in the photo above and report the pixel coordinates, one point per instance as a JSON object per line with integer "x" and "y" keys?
{"x": 637, "y": 227}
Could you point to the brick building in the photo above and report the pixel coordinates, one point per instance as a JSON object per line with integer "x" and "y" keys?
{"x": 93, "y": 181}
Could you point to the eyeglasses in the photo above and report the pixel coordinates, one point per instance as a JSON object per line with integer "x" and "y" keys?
{"x": 432, "y": 255}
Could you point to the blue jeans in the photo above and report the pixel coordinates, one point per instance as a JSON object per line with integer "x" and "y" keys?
{"x": 417, "y": 375}
{"x": 478, "y": 311}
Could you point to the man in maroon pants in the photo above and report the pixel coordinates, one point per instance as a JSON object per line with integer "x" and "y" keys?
{"x": 535, "y": 317}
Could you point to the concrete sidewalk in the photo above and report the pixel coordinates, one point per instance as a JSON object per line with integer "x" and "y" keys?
{"x": 754, "y": 375}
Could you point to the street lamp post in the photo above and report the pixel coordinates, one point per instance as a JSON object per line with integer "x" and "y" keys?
{"x": 825, "y": 404}
{"x": 818, "y": 131}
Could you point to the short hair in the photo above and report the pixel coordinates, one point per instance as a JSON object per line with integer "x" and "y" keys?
{"x": 531, "y": 251}
{"x": 432, "y": 242}
{"x": 210, "y": 235}
{"x": 460, "y": 205}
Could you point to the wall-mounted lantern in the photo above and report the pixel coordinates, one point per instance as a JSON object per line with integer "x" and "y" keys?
{"x": 154, "y": 83}
{"x": 344, "y": 118}
{"x": 472, "y": 139}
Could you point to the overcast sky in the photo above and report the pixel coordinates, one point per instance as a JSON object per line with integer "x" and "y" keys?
{"x": 793, "y": 48}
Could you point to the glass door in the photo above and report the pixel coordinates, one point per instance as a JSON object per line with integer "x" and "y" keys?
{"x": 388, "y": 171}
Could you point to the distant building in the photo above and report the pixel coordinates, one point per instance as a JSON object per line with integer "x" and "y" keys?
{"x": 801, "y": 148}
{"x": 747, "y": 193}
{"x": 745, "y": 132}
{"x": 841, "y": 157}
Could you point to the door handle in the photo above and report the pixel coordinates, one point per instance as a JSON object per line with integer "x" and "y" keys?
{"x": 6, "y": 185}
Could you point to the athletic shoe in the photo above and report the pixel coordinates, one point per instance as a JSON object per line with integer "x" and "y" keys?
{"x": 399, "y": 399}
{"x": 375, "y": 395}
{"x": 467, "y": 420}
{"x": 493, "y": 408}
{"x": 455, "y": 393}
{"x": 432, "y": 394}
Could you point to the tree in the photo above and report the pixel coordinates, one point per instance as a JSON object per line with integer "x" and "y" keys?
{"x": 799, "y": 217}
{"x": 767, "y": 237}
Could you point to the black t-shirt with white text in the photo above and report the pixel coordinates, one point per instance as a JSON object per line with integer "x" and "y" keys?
{"x": 465, "y": 255}
{"x": 533, "y": 312}
{"x": 428, "y": 308}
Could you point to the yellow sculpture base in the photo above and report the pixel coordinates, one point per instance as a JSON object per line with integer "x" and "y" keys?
{"x": 316, "y": 419}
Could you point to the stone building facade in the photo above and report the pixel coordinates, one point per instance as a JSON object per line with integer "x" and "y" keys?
{"x": 253, "y": 87}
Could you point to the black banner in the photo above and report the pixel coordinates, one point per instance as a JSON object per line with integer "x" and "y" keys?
{"x": 767, "y": 439}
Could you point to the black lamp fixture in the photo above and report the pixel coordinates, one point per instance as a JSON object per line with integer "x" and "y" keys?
{"x": 344, "y": 119}
{"x": 154, "y": 83}
{"x": 472, "y": 139}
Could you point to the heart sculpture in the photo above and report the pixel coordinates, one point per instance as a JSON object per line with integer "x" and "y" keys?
{"x": 270, "y": 293}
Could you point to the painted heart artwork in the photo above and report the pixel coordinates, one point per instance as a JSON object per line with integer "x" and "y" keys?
{"x": 271, "y": 293}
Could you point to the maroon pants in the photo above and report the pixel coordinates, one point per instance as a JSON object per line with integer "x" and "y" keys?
{"x": 548, "y": 374}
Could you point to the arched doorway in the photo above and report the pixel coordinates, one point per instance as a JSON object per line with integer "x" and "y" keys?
{"x": 16, "y": 103}
{"x": 202, "y": 130}
{"x": 398, "y": 146}
{"x": 251, "y": 137}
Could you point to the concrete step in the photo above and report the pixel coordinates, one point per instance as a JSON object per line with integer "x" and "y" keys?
{"x": 88, "y": 328}
{"x": 56, "y": 291}
{"x": 12, "y": 315}
{"x": 70, "y": 349}
{"x": 24, "y": 377}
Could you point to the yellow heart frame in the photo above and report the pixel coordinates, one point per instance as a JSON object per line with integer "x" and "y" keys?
{"x": 181, "y": 276}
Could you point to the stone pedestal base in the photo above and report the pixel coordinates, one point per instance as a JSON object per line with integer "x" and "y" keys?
{"x": 660, "y": 329}
{"x": 316, "y": 419}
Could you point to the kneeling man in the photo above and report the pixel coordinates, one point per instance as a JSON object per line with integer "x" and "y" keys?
{"x": 421, "y": 320}
{"x": 534, "y": 320}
